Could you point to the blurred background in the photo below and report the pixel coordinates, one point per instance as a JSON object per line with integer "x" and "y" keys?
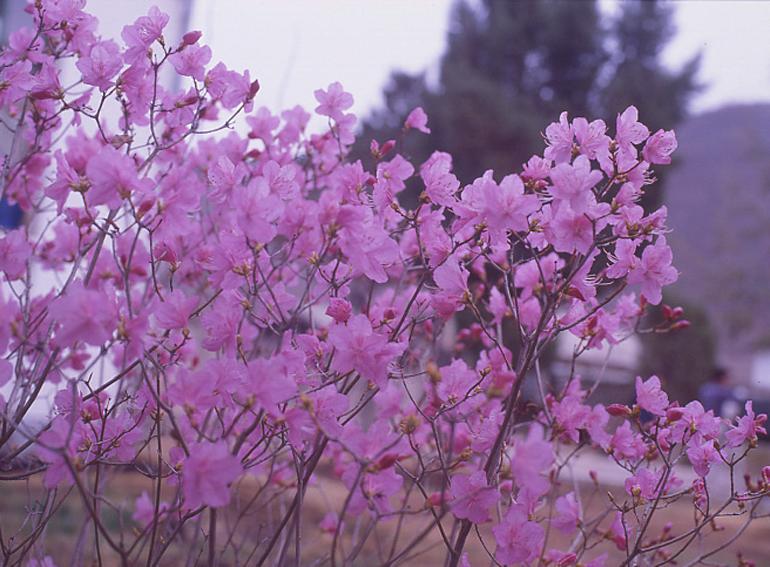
{"x": 491, "y": 74}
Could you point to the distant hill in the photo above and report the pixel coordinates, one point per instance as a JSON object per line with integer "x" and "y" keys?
{"x": 718, "y": 196}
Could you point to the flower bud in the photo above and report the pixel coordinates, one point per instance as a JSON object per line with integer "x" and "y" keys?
{"x": 339, "y": 309}
{"x": 409, "y": 424}
{"x": 387, "y": 461}
{"x": 387, "y": 146}
{"x": 619, "y": 410}
{"x": 191, "y": 38}
{"x": 674, "y": 413}
{"x": 679, "y": 325}
{"x": 253, "y": 88}
{"x": 431, "y": 369}
{"x": 433, "y": 500}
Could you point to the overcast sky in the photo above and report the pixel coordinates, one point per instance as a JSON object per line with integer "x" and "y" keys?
{"x": 295, "y": 46}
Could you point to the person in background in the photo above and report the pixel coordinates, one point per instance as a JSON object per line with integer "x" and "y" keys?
{"x": 716, "y": 394}
{"x": 10, "y": 215}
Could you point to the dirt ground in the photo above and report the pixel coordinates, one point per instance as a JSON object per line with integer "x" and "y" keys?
{"x": 70, "y": 528}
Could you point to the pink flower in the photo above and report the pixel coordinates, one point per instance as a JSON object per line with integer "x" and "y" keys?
{"x": 536, "y": 169}
{"x": 654, "y": 271}
{"x": 194, "y": 391}
{"x": 567, "y": 516}
{"x": 54, "y": 444}
{"x": 333, "y": 101}
{"x": 530, "y": 463}
{"x": 659, "y": 147}
{"x": 501, "y": 208}
{"x": 6, "y": 371}
{"x": 747, "y": 427}
{"x": 221, "y": 323}
{"x": 330, "y": 523}
{"x": 281, "y": 179}
{"x": 295, "y": 122}
{"x": 560, "y": 558}
{"x": 369, "y": 250}
{"x": 702, "y": 456}
{"x": 65, "y": 181}
{"x": 645, "y": 484}
{"x": 390, "y": 180}
{"x": 691, "y": 420}
{"x": 360, "y": 348}
{"x": 224, "y": 176}
{"x": 498, "y": 305}
{"x": 113, "y": 177}
{"x": 519, "y": 540}
{"x": 629, "y": 131}
{"x": 17, "y": 80}
{"x": 559, "y": 136}
{"x": 456, "y": 383}
{"x": 229, "y": 87}
{"x": 83, "y": 315}
{"x": 452, "y": 280}
{"x": 270, "y": 383}
{"x": 440, "y": 184}
{"x": 617, "y": 532}
{"x": 339, "y": 309}
{"x": 572, "y": 183}
{"x": 262, "y": 124}
{"x": 626, "y": 444}
{"x": 175, "y": 311}
{"x": 596, "y": 425}
{"x": 258, "y": 211}
{"x": 591, "y": 137}
{"x": 567, "y": 230}
{"x": 207, "y": 474}
{"x": 625, "y": 259}
{"x": 650, "y": 396}
{"x": 144, "y": 510}
{"x": 15, "y": 251}
{"x": 101, "y": 64}
{"x": 471, "y": 497}
{"x": 191, "y": 61}
{"x": 570, "y": 415}
{"x": 140, "y": 35}
{"x": 320, "y": 409}
{"x": 377, "y": 489}
{"x": 418, "y": 120}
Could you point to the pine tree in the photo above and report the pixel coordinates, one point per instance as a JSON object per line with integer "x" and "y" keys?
{"x": 641, "y": 31}
{"x": 510, "y": 66}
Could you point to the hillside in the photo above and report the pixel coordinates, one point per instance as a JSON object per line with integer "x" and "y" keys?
{"x": 718, "y": 197}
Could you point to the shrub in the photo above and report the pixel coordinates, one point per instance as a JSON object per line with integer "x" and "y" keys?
{"x": 248, "y": 320}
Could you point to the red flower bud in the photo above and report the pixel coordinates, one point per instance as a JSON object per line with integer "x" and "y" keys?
{"x": 619, "y": 410}
{"x": 387, "y": 461}
{"x": 674, "y": 413}
{"x": 191, "y": 38}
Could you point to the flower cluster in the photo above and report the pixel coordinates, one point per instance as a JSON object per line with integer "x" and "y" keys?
{"x": 253, "y": 322}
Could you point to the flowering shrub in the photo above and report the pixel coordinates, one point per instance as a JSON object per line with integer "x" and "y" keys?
{"x": 254, "y": 326}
